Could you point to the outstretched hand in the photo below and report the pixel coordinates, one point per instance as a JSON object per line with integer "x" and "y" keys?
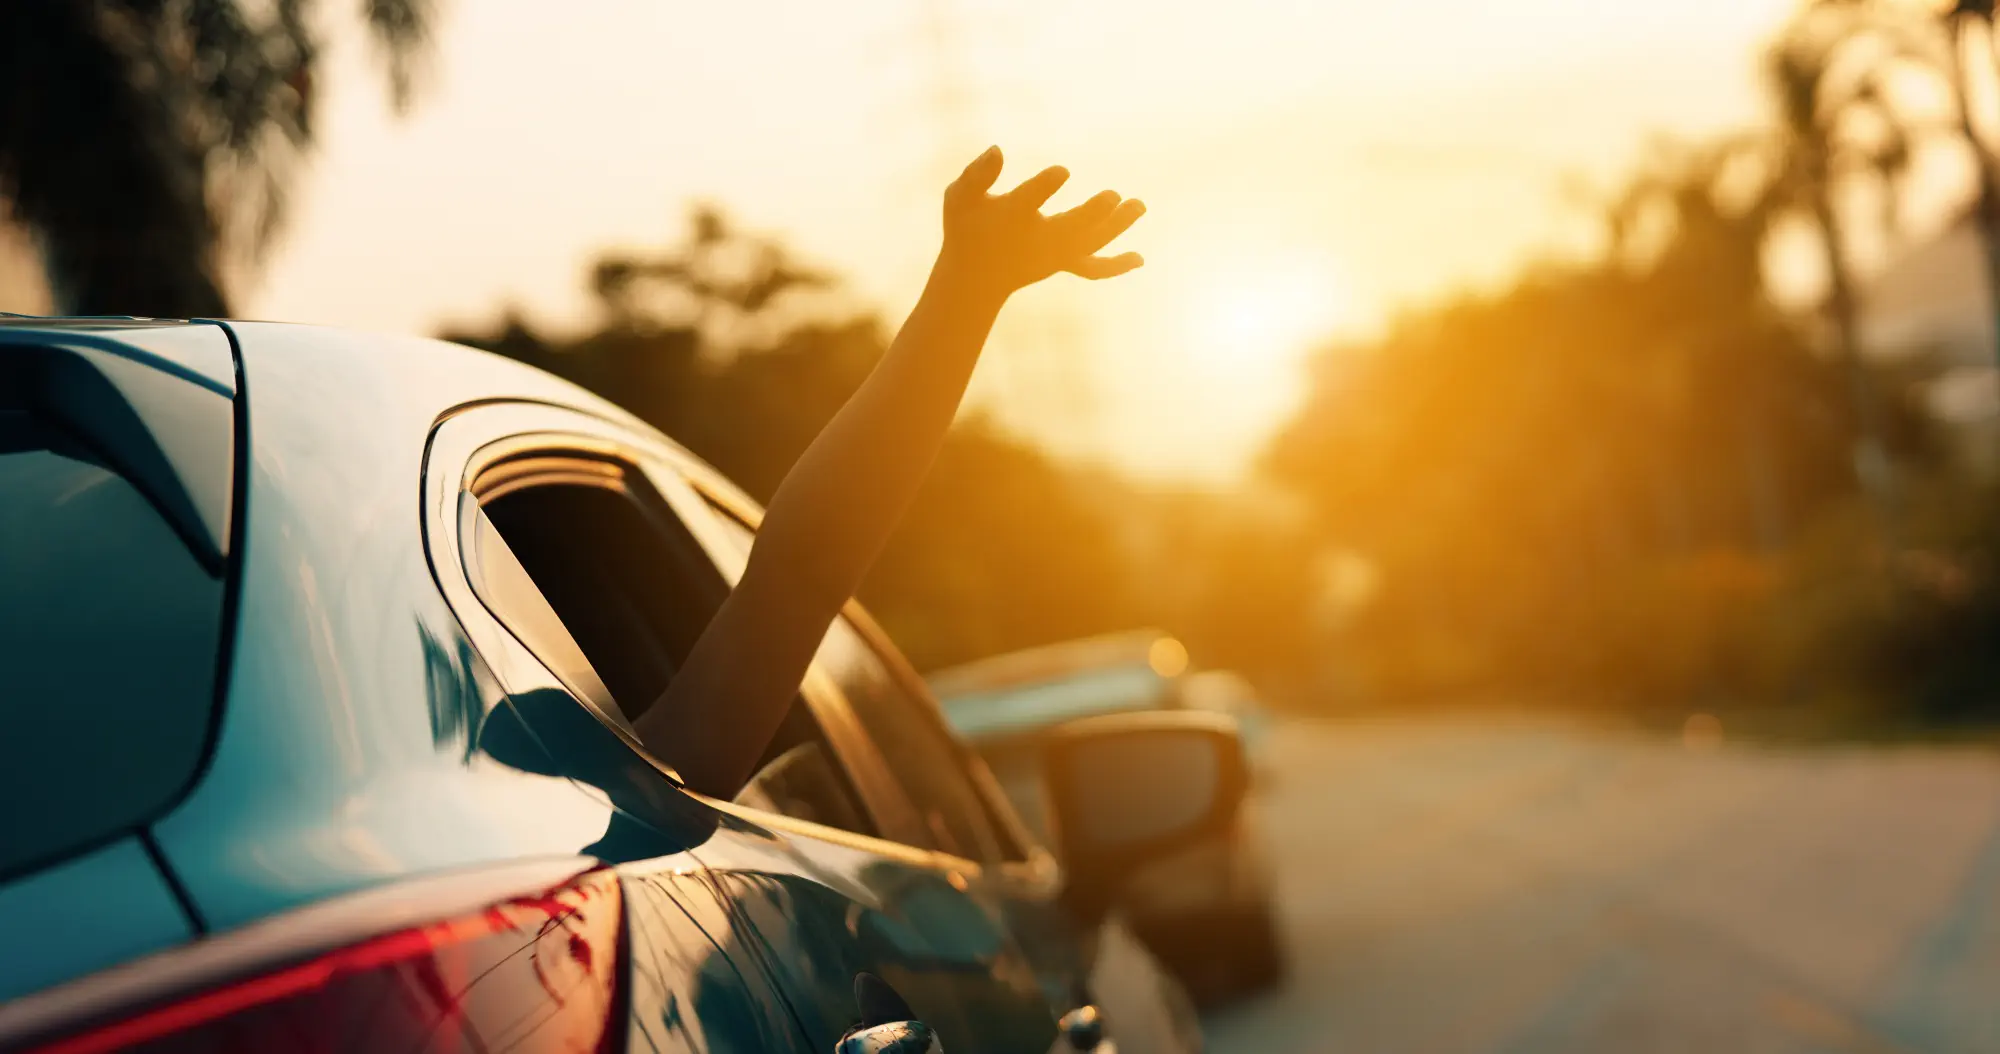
{"x": 1003, "y": 242}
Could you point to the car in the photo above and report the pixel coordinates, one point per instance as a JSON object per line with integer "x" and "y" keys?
{"x": 1206, "y": 910}
{"x": 322, "y": 651}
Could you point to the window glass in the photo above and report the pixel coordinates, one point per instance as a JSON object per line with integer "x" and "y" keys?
{"x": 914, "y": 744}
{"x": 504, "y": 586}
{"x": 109, "y": 630}
{"x": 800, "y": 778}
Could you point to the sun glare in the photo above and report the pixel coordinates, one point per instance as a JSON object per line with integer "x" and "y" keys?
{"x": 1269, "y": 313}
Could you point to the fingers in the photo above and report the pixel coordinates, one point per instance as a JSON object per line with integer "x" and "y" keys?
{"x": 1087, "y": 215}
{"x": 1096, "y": 267}
{"x": 1039, "y": 187}
{"x": 1075, "y": 234}
{"x": 1093, "y": 225}
{"x": 978, "y": 176}
{"x": 1118, "y": 222}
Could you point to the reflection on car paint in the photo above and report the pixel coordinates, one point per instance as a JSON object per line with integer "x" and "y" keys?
{"x": 817, "y": 913}
{"x": 687, "y": 993}
{"x": 647, "y": 816}
{"x": 452, "y": 673}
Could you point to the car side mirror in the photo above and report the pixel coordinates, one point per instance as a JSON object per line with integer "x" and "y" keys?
{"x": 1128, "y": 789}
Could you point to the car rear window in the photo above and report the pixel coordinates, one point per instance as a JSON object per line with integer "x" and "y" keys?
{"x": 109, "y": 630}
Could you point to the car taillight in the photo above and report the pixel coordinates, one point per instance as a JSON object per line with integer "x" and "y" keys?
{"x": 535, "y": 973}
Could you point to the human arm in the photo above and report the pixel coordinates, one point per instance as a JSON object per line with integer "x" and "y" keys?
{"x": 840, "y": 501}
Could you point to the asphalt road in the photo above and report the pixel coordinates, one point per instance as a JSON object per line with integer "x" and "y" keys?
{"x": 1513, "y": 886}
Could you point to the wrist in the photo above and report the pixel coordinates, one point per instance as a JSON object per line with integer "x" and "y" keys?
{"x": 965, "y": 284}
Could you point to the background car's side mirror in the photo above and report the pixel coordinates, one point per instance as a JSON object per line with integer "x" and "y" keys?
{"x": 1127, "y": 789}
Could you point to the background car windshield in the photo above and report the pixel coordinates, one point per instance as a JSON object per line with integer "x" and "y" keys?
{"x": 1101, "y": 691}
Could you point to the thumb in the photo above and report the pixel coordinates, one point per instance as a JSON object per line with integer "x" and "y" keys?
{"x": 980, "y": 175}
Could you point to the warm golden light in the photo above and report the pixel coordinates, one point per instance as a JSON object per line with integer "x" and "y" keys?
{"x": 1269, "y": 312}
{"x": 1412, "y": 142}
{"x": 1567, "y": 431}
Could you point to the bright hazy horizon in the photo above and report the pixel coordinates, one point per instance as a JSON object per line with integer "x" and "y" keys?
{"x": 1311, "y": 167}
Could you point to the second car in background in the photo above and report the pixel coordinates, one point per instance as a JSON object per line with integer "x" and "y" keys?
{"x": 1206, "y": 912}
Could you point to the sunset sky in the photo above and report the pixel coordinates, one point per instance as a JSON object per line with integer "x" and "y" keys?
{"x": 1310, "y": 167}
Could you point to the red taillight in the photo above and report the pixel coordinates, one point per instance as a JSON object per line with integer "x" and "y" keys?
{"x": 536, "y": 973}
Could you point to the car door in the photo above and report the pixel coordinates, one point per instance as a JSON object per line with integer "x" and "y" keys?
{"x": 579, "y": 538}
{"x": 982, "y": 986}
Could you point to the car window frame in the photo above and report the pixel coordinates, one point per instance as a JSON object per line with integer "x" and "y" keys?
{"x": 469, "y": 440}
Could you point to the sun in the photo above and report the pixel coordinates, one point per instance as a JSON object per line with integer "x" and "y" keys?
{"x": 1268, "y": 312}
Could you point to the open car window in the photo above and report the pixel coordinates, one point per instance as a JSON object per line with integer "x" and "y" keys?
{"x": 624, "y": 580}
{"x": 588, "y": 565}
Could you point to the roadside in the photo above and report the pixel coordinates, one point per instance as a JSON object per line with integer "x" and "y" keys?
{"x": 1521, "y": 884}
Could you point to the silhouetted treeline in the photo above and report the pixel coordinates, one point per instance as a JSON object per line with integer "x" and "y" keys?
{"x": 1635, "y": 483}
{"x": 1628, "y": 483}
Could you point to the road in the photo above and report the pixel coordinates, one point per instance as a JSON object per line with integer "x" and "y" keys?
{"x": 1516, "y": 886}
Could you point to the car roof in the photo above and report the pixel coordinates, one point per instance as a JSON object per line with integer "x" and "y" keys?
{"x": 422, "y": 367}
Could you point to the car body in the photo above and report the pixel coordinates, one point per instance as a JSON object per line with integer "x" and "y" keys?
{"x": 319, "y": 644}
{"x": 1206, "y": 910}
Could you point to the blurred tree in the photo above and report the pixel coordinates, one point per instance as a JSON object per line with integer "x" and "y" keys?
{"x": 1968, "y": 26}
{"x": 1955, "y": 44}
{"x": 146, "y": 143}
{"x": 1827, "y": 76}
{"x": 1704, "y": 248}
{"x": 1582, "y": 483}
{"x": 718, "y": 281}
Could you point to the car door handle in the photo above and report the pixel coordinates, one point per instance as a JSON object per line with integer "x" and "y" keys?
{"x": 896, "y": 1037}
{"x": 888, "y": 1025}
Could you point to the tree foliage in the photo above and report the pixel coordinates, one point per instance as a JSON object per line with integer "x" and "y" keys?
{"x": 1587, "y": 481}
{"x": 145, "y": 143}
